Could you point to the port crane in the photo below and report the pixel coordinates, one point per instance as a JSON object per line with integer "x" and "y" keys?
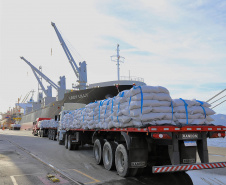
{"x": 48, "y": 92}
{"x": 80, "y": 72}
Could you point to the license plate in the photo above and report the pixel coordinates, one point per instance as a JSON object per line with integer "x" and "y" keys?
{"x": 138, "y": 164}
{"x": 190, "y": 143}
{"x": 188, "y": 161}
{"x": 190, "y": 136}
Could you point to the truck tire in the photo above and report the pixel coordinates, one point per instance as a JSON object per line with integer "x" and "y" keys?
{"x": 109, "y": 155}
{"x": 122, "y": 162}
{"x": 54, "y": 135}
{"x": 42, "y": 133}
{"x": 183, "y": 177}
{"x": 69, "y": 144}
{"x": 39, "y": 133}
{"x": 49, "y": 134}
{"x": 97, "y": 150}
{"x": 66, "y": 141}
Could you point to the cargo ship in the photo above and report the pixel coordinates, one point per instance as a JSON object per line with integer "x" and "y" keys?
{"x": 73, "y": 100}
{"x": 49, "y": 107}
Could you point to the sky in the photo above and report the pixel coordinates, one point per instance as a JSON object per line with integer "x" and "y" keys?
{"x": 180, "y": 45}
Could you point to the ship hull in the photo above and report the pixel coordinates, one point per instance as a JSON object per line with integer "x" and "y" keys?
{"x": 83, "y": 96}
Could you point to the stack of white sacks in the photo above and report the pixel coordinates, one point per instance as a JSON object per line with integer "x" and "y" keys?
{"x": 138, "y": 107}
{"x": 48, "y": 124}
{"x": 192, "y": 112}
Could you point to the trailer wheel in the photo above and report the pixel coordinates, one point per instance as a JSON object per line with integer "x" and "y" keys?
{"x": 54, "y": 135}
{"x": 183, "y": 177}
{"x": 49, "y": 134}
{"x": 66, "y": 141}
{"x": 97, "y": 150}
{"x": 61, "y": 142}
{"x": 42, "y": 133}
{"x": 122, "y": 163}
{"x": 69, "y": 144}
{"x": 109, "y": 155}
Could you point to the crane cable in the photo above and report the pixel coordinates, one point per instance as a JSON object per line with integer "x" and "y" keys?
{"x": 218, "y": 99}
{"x": 219, "y": 104}
{"x": 216, "y": 95}
{"x": 77, "y": 56}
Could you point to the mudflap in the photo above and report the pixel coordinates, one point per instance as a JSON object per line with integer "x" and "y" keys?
{"x": 138, "y": 152}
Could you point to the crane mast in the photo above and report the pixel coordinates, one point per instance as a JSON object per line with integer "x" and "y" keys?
{"x": 80, "y": 72}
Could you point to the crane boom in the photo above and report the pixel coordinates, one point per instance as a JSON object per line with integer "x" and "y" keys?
{"x": 80, "y": 72}
{"x": 39, "y": 81}
{"x": 34, "y": 69}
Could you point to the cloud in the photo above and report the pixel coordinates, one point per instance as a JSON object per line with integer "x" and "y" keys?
{"x": 171, "y": 43}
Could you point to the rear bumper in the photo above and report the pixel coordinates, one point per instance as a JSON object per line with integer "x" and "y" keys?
{"x": 187, "y": 167}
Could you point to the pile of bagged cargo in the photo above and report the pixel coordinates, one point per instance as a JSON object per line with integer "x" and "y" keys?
{"x": 139, "y": 107}
{"x": 48, "y": 124}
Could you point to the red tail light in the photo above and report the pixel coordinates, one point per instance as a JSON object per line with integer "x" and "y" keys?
{"x": 161, "y": 136}
{"x": 217, "y": 135}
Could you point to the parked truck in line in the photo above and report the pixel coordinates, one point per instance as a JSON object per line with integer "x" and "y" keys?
{"x": 38, "y": 130}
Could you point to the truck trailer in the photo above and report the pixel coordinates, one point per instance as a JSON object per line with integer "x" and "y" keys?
{"x": 142, "y": 128}
{"x": 163, "y": 148}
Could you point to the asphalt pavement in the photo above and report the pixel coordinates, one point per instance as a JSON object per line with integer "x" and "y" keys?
{"x": 25, "y": 159}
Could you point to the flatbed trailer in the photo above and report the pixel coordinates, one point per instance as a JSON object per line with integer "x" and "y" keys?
{"x": 161, "y": 148}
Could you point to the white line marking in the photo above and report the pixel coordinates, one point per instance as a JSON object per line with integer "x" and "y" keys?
{"x": 51, "y": 165}
{"x": 36, "y": 157}
{"x": 13, "y": 180}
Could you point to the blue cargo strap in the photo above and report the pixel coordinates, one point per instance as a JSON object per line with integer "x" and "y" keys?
{"x": 81, "y": 112}
{"x": 118, "y": 110}
{"x": 93, "y": 114}
{"x": 99, "y": 110}
{"x": 201, "y": 103}
{"x": 172, "y": 108}
{"x": 93, "y": 110}
{"x": 106, "y": 109}
{"x": 129, "y": 104}
{"x": 112, "y": 107}
{"x": 141, "y": 93}
{"x": 186, "y": 109}
{"x": 84, "y": 115}
{"x": 121, "y": 94}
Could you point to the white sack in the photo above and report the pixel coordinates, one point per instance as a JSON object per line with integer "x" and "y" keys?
{"x": 149, "y": 103}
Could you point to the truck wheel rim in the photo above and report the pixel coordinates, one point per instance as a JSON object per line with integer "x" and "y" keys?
{"x": 107, "y": 157}
{"x": 121, "y": 161}
{"x": 96, "y": 152}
